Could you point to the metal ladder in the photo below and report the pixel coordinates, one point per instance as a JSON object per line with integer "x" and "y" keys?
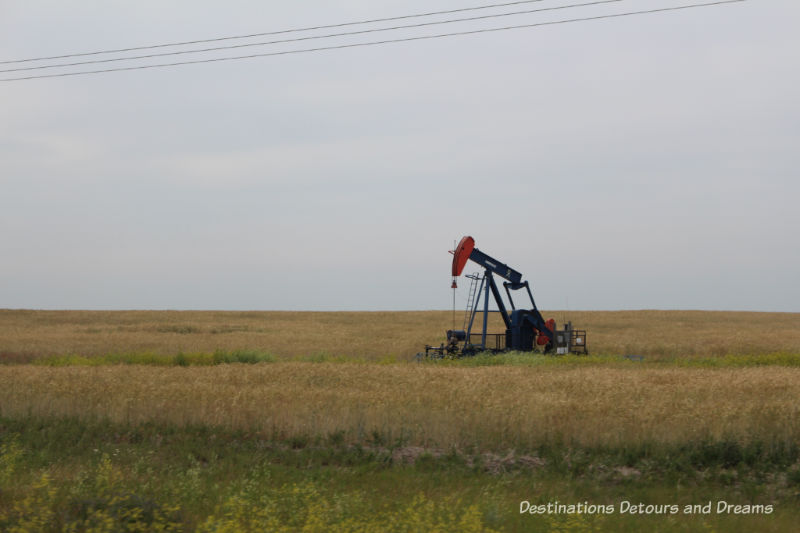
{"x": 471, "y": 295}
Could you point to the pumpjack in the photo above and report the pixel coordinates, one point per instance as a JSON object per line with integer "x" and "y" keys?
{"x": 525, "y": 329}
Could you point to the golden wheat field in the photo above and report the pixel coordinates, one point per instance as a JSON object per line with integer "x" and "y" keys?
{"x": 488, "y": 407}
{"x": 26, "y": 334}
{"x": 428, "y": 405}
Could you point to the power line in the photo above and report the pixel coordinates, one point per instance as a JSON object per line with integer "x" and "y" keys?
{"x": 374, "y": 43}
{"x": 314, "y": 37}
{"x": 278, "y": 32}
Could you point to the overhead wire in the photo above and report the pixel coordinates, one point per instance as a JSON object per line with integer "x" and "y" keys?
{"x": 316, "y": 37}
{"x": 375, "y": 43}
{"x": 276, "y": 32}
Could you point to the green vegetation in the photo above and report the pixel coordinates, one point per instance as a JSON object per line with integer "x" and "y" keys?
{"x": 74, "y": 475}
{"x": 219, "y": 357}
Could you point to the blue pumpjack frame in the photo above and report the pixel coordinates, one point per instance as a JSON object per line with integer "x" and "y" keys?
{"x": 519, "y": 319}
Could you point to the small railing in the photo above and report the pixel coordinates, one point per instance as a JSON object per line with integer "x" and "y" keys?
{"x": 498, "y": 339}
{"x": 577, "y": 342}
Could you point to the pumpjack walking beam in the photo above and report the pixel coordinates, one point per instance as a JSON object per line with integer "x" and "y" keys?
{"x": 519, "y": 318}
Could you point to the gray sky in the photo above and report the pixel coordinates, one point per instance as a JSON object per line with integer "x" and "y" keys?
{"x": 637, "y": 162}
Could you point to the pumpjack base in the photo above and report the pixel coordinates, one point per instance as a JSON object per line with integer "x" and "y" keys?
{"x": 459, "y": 344}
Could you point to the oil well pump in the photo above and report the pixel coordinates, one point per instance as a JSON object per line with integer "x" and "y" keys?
{"x": 525, "y": 329}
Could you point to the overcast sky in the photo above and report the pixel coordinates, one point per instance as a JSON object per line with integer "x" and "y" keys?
{"x": 642, "y": 162}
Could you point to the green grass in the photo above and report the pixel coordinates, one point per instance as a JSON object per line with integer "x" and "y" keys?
{"x": 787, "y": 359}
{"x": 57, "y": 474}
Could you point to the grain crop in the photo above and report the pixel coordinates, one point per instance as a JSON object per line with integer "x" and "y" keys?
{"x": 487, "y": 407}
{"x": 26, "y": 335}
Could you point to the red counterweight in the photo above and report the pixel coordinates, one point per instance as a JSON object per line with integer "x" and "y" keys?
{"x": 542, "y": 340}
{"x": 461, "y": 254}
